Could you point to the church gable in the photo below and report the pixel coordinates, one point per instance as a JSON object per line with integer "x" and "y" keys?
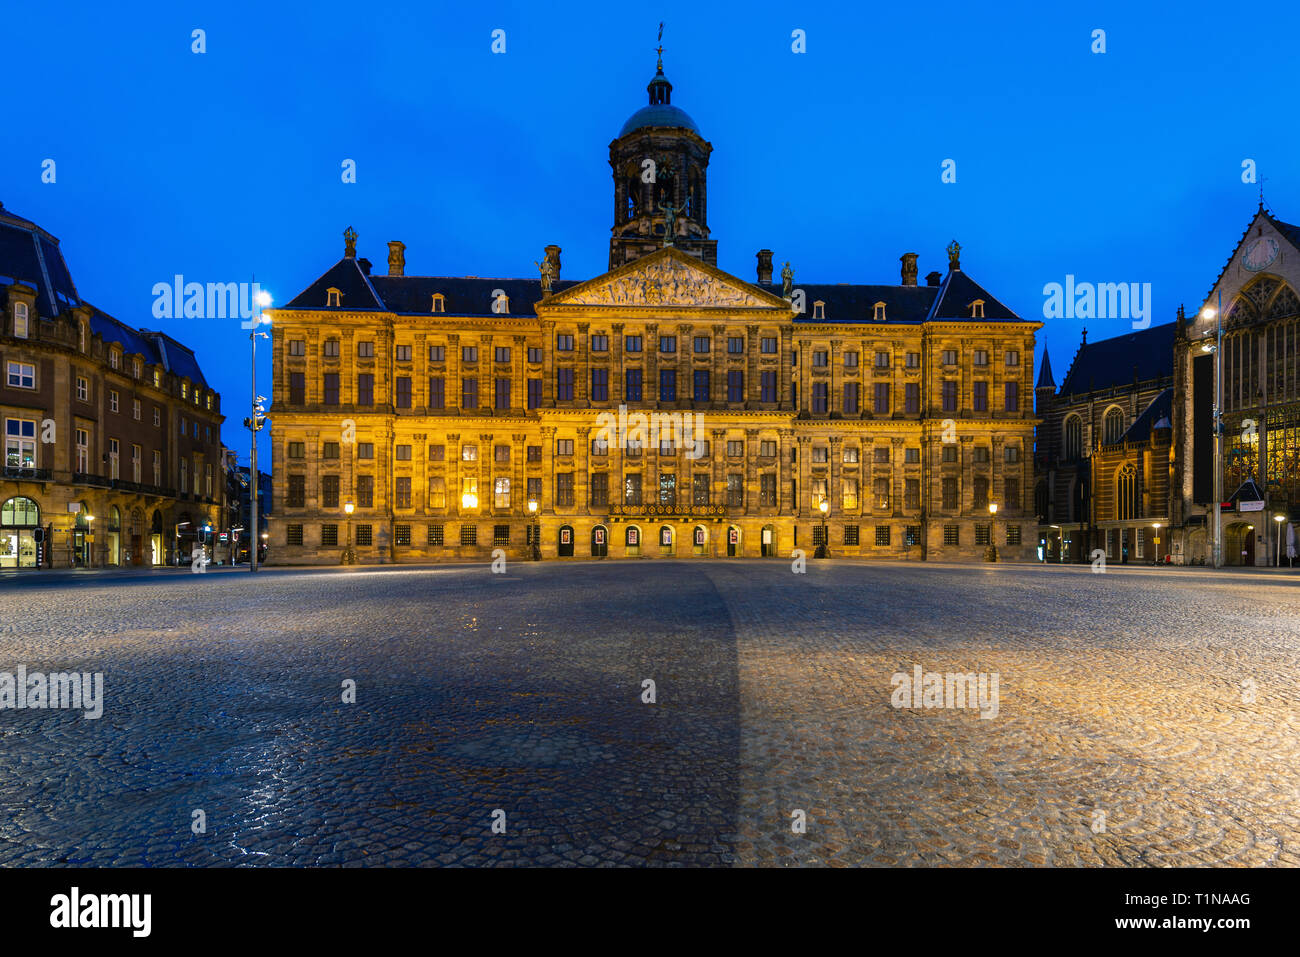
{"x": 667, "y": 278}
{"x": 1259, "y": 277}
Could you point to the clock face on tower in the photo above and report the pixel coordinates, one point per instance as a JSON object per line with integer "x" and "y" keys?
{"x": 1260, "y": 254}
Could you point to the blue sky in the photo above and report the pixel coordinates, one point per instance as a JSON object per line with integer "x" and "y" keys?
{"x": 1115, "y": 167}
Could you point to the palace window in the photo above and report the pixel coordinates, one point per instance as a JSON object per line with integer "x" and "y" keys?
{"x": 949, "y": 395}
{"x": 564, "y": 489}
{"x": 851, "y": 398}
{"x": 331, "y": 350}
{"x": 950, "y": 493}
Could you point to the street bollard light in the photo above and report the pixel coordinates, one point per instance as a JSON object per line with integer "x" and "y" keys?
{"x": 991, "y": 553}
{"x": 348, "y": 557}
{"x": 822, "y": 550}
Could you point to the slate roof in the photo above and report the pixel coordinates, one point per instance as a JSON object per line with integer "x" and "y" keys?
{"x": 1045, "y": 380}
{"x": 30, "y": 255}
{"x": 465, "y": 296}
{"x": 1159, "y": 410}
{"x": 473, "y": 296}
{"x": 1109, "y": 363}
{"x": 346, "y": 275}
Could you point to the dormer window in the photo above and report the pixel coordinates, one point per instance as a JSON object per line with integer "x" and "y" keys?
{"x": 879, "y": 312}
{"x": 439, "y": 302}
{"x": 977, "y": 309}
{"x": 114, "y": 358}
{"x": 185, "y": 390}
{"x": 81, "y": 333}
{"x": 20, "y": 320}
{"x": 135, "y": 368}
{"x": 333, "y": 297}
{"x": 157, "y": 378}
{"x": 819, "y": 310}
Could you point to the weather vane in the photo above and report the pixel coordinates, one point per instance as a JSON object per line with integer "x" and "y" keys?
{"x": 660, "y": 49}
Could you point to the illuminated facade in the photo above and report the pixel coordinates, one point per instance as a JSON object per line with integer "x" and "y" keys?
{"x": 112, "y": 434}
{"x": 1261, "y": 401}
{"x": 440, "y": 407}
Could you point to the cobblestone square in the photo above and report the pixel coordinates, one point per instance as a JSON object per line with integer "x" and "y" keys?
{"x": 1146, "y": 717}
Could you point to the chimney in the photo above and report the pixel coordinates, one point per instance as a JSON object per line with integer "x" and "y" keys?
{"x": 933, "y": 279}
{"x": 365, "y": 265}
{"x": 396, "y": 258}
{"x": 909, "y": 268}
{"x": 765, "y": 266}
{"x": 553, "y": 254}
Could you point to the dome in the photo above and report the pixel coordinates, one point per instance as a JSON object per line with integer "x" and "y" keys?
{"x": 659, "y": 114}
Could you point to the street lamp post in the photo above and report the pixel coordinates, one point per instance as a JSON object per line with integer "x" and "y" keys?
{"x": 1278, "y": 519}
{"x": 348, "y": 557}
{"x": 823, "y": 551}
{"x": 255, "y": 423}
{"x": 1155, "y": 559}
{"x": 535, "y": 530}
{"x": 991, "y": 553}
{"x": 1211, "y": 312}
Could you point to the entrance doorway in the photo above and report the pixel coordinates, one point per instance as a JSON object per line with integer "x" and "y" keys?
{"x": 566, "y": 541}
{"x": 599, "y": 542}
{"x": 767, "y": 539}
{"x": 20, "y": 517}
{"x": 733, "y": 541}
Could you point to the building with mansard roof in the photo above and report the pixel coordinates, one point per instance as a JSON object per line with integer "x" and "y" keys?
{"x": 112, "y": 434}
{"x": 666, "y": 408}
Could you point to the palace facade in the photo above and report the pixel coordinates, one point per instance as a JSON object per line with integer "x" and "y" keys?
{"x": 112, "y": 435}
{"x": 423, "y": 418}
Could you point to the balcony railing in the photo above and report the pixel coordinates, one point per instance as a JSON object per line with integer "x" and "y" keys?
{"x": 85, "y": 478}
{"x": 23, "y": 473}
{"x": 656, "y": 510}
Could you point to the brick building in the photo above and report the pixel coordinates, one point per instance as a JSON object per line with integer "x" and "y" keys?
{"x": 1104, "y": 450}
{"x": 112, "y": 435}
{"x": 440, "y": 407}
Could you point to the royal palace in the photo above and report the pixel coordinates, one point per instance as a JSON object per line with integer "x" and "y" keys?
{"x": 663, "y": 409}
